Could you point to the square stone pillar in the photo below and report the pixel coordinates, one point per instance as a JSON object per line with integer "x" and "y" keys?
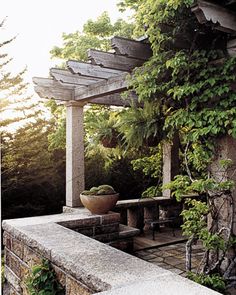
{"x": 170, "y": 162}
{"x": 74, "y": 153}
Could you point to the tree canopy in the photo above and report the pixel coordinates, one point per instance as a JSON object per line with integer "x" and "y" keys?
{"x": 96, "y": 34}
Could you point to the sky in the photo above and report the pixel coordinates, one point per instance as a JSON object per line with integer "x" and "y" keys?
{"x": 38, "y": 26}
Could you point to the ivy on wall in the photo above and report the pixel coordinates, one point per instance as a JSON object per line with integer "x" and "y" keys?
{"x": 190, "y": 82}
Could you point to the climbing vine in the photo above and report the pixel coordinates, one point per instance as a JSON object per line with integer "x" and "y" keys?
{"x": 42, "y": 280}
{"x": 190, "y": 82}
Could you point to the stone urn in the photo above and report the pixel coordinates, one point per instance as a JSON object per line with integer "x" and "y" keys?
{"x": 99, "y": 200}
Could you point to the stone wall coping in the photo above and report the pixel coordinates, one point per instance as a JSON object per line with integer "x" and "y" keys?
{"x": 97, "y": 265}
{"x": 167, "y": 285}
{"x": 149, "y": 201}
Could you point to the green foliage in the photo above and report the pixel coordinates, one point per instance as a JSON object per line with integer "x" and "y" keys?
{"x": 182, "y": 185}
{"x": 152, "y": 191}
{"x": 195, "y": 218}
{"x": 151, "y": 165}
{"x": 141, "y": 125}
{"x": 43, "y": 281}
{"x": 100, "y": 127}
{"x": 100, "y": 190}
{"x": 96, "y": 34}
{"x": 188, "y": 81}
{"x": 215, "y": 281}
{"x": 32, "y": 177}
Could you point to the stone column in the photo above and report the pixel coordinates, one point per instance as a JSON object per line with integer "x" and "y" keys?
{"x": 170, "y": 162}
{"x": 74, "y": 153}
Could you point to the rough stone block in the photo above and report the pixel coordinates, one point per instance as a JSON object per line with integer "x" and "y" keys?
{"x": 60, "y": 274}
{"x": 13, "y": 262}
{"x": 83, "y": 222}
{"x": 125, "y": 245}
{"x": 12, "y": 279}
{"x": 7, "y": 241}
{"x": 30, "y": 257}
{"x": 17, "y": 247}
{"x": 110, "y": 218}
{"x": 89, "y": 232}
{"x": 24, "y": 271}
{"x": 107, "y": 237}
{"x": 12, "y": 291}
{"x": 104, "y": 229}
{"x": 74, "y": 287}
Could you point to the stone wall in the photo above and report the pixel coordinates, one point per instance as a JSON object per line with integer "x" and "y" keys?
{"x": 20, "y": 258}
{"x": 83, "y": 265}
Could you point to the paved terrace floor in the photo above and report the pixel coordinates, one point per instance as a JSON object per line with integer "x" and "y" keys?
{"x": 171, "y": 257}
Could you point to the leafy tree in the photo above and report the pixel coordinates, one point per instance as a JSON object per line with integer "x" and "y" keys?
{"x": 96, "y": 34}
{"x": 31, "y": 175}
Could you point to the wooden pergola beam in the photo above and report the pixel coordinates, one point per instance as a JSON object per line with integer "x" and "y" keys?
{"x": 113, "y": 85}
{"x": 51, "y": 89}
{"x": 113, "y": 61}
{"x": 114, "y": 100}
{"x": 131, "y": 48}
{"x": 89, "y": 70}
{"x": 223, "y": 18}
{"x": 66, "y": 76}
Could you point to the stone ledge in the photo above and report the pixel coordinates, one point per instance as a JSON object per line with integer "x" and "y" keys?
{"x": 169, "y": 285}
{"x": 97, "y": 266}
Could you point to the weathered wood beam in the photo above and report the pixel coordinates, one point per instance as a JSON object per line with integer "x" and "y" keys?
{"x": 114, "y": 61}
{"x": 89, "y": 70}
{"x": 66, "y": 76}
{"x": 222, "y": 18}
{"x": 113, "y": 85}
{"x": 114, "y": 100}
{"x": 131, "y": 48}
{"x": 51, "y": 89}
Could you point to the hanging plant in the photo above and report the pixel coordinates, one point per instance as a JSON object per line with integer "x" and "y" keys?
{"x": 141, "y": 126}
{"x": 102, "y": 127}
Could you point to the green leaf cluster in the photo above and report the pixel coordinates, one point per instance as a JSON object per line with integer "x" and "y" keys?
{"x": 214, "y": 281}
{"x": 96, "y": 34}
{"x": 43, "y": 281}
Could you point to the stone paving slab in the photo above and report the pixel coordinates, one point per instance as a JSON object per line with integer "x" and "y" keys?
{"x": 172, "y": 257}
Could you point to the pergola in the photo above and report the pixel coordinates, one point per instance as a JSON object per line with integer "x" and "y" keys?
{"x": 102, "y": 80}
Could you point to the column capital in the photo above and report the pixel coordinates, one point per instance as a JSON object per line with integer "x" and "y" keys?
{"x": 74, "y": 103}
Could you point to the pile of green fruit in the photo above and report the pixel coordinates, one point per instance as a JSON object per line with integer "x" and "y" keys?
{"x": 100, "y": 190}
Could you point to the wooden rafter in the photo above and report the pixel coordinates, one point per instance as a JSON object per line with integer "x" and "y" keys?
{"x": 113, "y": 61}
{"x": 222, "y": 18}
{"x": 131, "y": 48}
{"x": 89, "y": 70}
{"x": 51, "y": 89}
{"x": 100, "y": 81}
{"x": 66, "y": 76}
{"x": 113, "y": 85}
{"x": 114, "y": 100}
